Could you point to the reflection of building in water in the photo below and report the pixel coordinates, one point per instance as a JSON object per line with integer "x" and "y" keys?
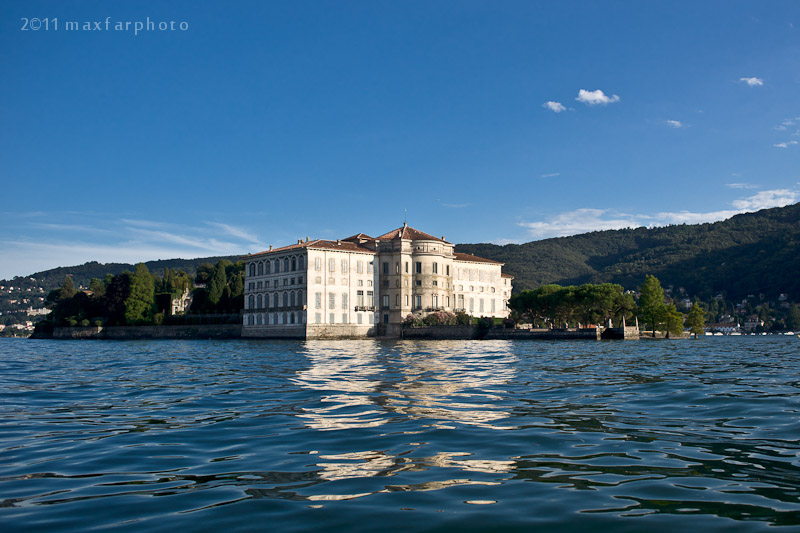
{"x": 450, "y": 387}
{"x": 348, "y": 376}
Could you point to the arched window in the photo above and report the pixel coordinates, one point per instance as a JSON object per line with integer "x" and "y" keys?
{"x": 300, "y": 298}
{"x": 258, "y": 302}
{"x": 294, "y": 264}
{"x": 285, "y": 318}
{"x": 252, "y": 269}
{"x": 260, "y": 269}
{"x": 286, "y": 264}
{"x": 266, "y": 267}
{"x": 251, "y": 320}
{"x": 277, "y": 265}
{"x": 291, "y": 318}
{"x": 291, "y": 299}
{"x": 251, "y": 302}
{"x": 258, "y": 319}
{"x": 275, "y": 300}
{"x": 300, "y": 263}
{"x": 286, "y": 299}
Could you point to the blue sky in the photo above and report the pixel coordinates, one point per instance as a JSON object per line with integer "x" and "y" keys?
{"x": 264, "y": 122}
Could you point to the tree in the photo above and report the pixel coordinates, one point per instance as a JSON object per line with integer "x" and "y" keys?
{"x": 651, "y": 301}
{"x": 793, "y": 318}
{"x": 141, "y": 301}
{"x": 67, "y": 289}
{"x": 216, "y": 287}
{"x": 97, "y": 287}
{"x": 673, "y": 320}
{"x": 696, "y": 319}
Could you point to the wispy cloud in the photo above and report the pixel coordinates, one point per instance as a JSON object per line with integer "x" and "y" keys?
{"x": 556, "y": 107}
{"x": 586, "y": 220}
{"x": 752, "y": 82}
{"x": 741, "y": 186}
{"x": 785, "y": 144}
{"x": 674, "y": 123}
{"x": 453, "y": 206}
{"x": 85, "y": 237}
{"x": 597, "y": 97}
{"x": 550, "y": 175}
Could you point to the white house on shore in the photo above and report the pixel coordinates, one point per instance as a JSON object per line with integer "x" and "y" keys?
{"x": 356, "y": 286}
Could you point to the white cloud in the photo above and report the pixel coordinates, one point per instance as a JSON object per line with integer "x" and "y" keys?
{"x": 674, "y": 123}
{"x": 753, "y": 82}
{"x": 741, "y": 185}
{"x": 550, "y": 175}
{"x": 235, "y": 231}
{"x": 556, "y": 107}
{"x": 597, "y": 97}
{"x": 785, "y": 144}
{"x": 767, "y": 199}
{"x": 587, "y": 220}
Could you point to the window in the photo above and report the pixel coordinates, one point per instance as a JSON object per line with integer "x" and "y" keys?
{"x": 277, "y": 266}
{"x": 397, "y": 268}
{"x": 406, "y": 300}
{"x": 332, "y": 265}
{"x": 332, "y": 318}
{"x": 370, "y": 299}
{"x": 317, "y": 318}
{"x": 266, "y": 284}
{"x": 292, "y": 300}
{"x": 331, "y": 300}
{"x": 385, "y": 267}
{"x": 258, "y": 301}
{"x": 492, "y": 305}
{"x": 480, "y": 305}
{"x": 471, "y": 305}
{"x": 251, "y": 302}
{"x": 447, "y": 298}
{"x": 447, "y": 270}
{"x": 369, "y": 283}
{"x": 435, "y": 283}
{"x": 344, "y": 265}
{"x": 344, "y": 300}
{"x": 360, "y": 267}
{"x": 436, "y": 268}
{"x": 299, "y": 280}
{"x": 260, "y": 269}
{"x": 266, "y": 267}
{"x": 285, "y": 282}
{"x": 360, "y": 298}
{"x": 461, "y": 301}
{"x": 301, "y": 262}
{"x": 252, "y": 269}
{"x": 360, "y": 282}
{"x": 418, "y": 267}
{"x": 258, "y": 285}
{"x": 418, "y": 301}
{"x": 418, "y": 283}
{"x": 358, "y": 318}
{"x": 300, "y": 298}
{"x": 435, "y": 300}
{"x": 406, "y": 267}
{"x": 318, "y": 264}
{"x": 385, "y": 319}
{"x": 286, "y": 299}
{"x": 397, "y": 300}
{"x": 369, "y": 267}
{"x": 286, "y": 264}
{"x": 385, "y": 301}
{"x": 294, "y": 264}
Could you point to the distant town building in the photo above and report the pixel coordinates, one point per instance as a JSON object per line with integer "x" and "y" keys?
{"x": 352, "y": 287}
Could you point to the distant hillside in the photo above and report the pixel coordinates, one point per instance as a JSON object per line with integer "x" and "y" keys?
{"x": 750, "y": 253}
{"x": 81, "y": 274}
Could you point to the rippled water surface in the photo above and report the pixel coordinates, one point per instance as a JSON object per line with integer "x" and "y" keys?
{"x": 365, "y": 435}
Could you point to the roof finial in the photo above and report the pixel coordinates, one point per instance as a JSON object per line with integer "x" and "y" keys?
{"x": 405, "y": 217}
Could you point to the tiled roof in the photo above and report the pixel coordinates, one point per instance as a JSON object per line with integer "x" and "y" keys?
{"x": 474, "y": 258}
{"x": 345, "y": 245}
{"x": 504, "y": 275}
{"x": 409, "y": 233}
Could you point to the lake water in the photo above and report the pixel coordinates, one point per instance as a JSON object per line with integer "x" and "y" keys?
{"x": 367, "y": 435}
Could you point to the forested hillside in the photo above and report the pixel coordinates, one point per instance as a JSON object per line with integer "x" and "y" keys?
{"x": 750, "y": 253}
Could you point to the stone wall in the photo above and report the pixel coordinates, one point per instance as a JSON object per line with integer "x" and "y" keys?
{"x": 441, "y": 332}
{"x": 340, "y": 331}
{"x": 213, "y": 331}
{"x": 544, "y": 334}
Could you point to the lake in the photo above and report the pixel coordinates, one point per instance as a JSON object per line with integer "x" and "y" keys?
{"x": 400, "y": 435}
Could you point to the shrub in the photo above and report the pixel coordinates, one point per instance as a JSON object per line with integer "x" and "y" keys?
{"x": 85, "y": 322}
{"x": 463, "y": 319}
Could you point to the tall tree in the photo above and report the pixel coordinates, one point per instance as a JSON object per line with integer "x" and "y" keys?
{"x": 673, "y": 320}
{"x": 651, "y": 302}
{"x": 696, "y": 319}
{"x": 67, "y": 289}
{"x": 139, "y": 305}
{"x": 216, "y": 287}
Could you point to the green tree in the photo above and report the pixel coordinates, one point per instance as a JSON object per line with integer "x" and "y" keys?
{"x": 793, "y": 318}
{"x": 673, "y": 320}
{"x": 696, "y": 319}
{"x": 67, "y": 289}
{"x": 651, "y": 302}
{"x": 98, "y": 287}
{"x": 139, "y": 306}
{"x": 216, "y": 287}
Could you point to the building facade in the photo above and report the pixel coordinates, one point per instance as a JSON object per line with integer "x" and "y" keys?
{"x": 364, "y": 286}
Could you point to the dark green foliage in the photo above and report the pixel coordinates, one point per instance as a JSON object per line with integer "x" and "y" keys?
{"x": 67, "y": 290}
{"x": 750, "y": 253}
{"x": 141, "y": 300}
{"x": 695, "y": 320}
{"x": 652, "y": 308}
{"x": 557, "y": 306}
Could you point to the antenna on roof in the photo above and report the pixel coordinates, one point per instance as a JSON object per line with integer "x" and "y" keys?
{"x": 405, "y": 217}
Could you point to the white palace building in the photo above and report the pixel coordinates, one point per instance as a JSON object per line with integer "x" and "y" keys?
{"x": 362, "y": 285}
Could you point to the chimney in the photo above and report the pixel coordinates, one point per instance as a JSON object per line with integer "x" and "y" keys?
{"x": 306, "y": 238}
{"x": 270, "y": 247}
{"x": 338, "y": 242}
{"x": 443, "y": 238}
